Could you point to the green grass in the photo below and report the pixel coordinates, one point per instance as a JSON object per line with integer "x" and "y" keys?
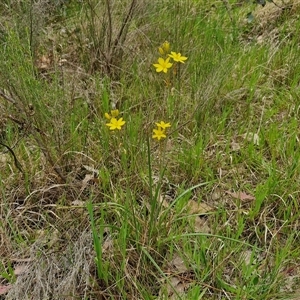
{"x": 95, "y": 213}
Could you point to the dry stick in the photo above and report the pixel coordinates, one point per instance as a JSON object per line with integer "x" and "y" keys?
{"x": 109, "y": 25}
{"x": 277, "y": 4}
{"x": 45, "y": 151}
{"x": 6, "y": 97}
{"x": 109, "y": 37}
{"x": 112, "y": 50}
{"x": 92, "y": 20}
{"x": 17, "y": 163}
{"x": 40, "y": 143}
{"x": 125, "y": 25}
{"x": 31, "y": 41}
{"x": 50, "y": 160}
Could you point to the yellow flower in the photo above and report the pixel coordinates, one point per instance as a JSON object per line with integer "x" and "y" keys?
{"x": 177, "y": 57}
{"x": 164, "y": 48}
{"x": 163, "y": 65}
{"x": 158, "y": 133}
{"x": 161, "y": 50}
{"x": 113, "y": 114}
{"x": 163, "y": 125}
{"x": 115, "y": 124}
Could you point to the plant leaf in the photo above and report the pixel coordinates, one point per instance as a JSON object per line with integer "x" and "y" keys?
{"x": 250, "y": 17}
{"x": 4, "y": 289}
{"x": 241, "y": 195}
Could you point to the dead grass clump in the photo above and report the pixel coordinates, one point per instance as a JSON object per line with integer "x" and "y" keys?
{"x": 270, "y": 18}
{"x": 57, "y": 275}
{"x": 102, "y": 34}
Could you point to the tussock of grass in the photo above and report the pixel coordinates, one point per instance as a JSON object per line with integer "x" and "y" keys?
{"x": 99, "y": 214}
{"x": 62, "y": 274}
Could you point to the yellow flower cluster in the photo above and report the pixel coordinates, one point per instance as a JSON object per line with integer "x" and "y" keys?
{"x": 160, "y": 132}
{"x": 164, "y": 49}
{"x": 162, "y": 64}
{"x": 114, "y": 122}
